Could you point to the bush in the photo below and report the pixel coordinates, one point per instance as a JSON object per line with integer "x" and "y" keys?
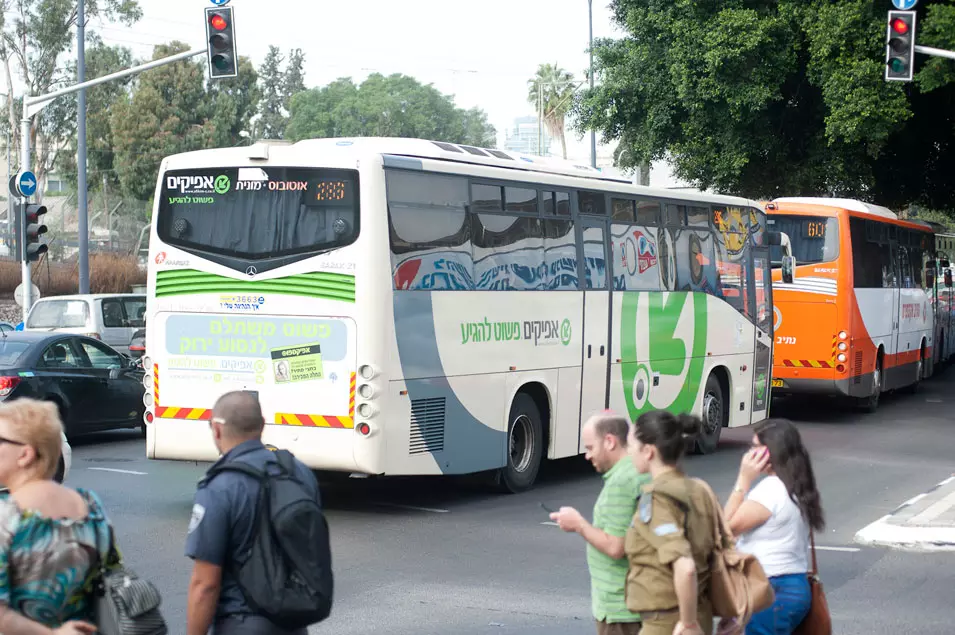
{"x": 109, "y": 273}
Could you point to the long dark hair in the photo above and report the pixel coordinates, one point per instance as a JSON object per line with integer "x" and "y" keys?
{"x": 667, "y": 432}
{"x": 790, "y": 461}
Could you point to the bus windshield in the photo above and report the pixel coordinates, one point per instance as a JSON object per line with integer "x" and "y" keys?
{"x": 814, "y": 239}
{"x": 258, "y": 212}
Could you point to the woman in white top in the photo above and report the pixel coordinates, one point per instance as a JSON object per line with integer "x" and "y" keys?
{"x": 773, "y": 521}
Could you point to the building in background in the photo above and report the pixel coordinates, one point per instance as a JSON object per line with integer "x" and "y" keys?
{"x": 524, "y": 136}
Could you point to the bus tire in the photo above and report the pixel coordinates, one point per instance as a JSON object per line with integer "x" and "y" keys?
{"x": 871, "y": 403}
{"x": 714, "y": 416}
{"x": 525, "y": 445}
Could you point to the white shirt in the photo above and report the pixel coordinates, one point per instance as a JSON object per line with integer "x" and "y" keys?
{"x": 781, "y": 544}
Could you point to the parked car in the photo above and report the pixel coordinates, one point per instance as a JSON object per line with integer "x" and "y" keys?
{"x": 94, "y": 386}
{"x": 112, "y": 318}
{"x": 137, "y": 345}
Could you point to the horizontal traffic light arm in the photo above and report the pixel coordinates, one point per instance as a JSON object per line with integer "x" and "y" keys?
{"x": 928, "y": 50}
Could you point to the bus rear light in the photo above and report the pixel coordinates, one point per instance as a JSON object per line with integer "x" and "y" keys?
{"x": 148, "y": 417}
{"x": 367, "y": 372}
{"x": 841, "y": 357}
{"x": 840, "y": 368}
{"x": 363, "y": 429}
{"x": 147, "y": 363}
{"x": 367, "y": 411}
{"x": 843, "y": 346}
{"x": 148, "y": 399}
{"x": 366, "y": 391}
{"x": 148, "y": 381}
{"x": 843, "y": 335}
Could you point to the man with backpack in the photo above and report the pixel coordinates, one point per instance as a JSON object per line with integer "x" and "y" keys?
{"x": 257, "y": 536}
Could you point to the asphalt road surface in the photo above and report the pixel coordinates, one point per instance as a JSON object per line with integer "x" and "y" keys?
{"x": 418, "y": 556}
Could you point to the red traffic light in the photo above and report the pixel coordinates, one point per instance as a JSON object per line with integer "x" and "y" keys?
{"x": 900, "y": 26}
{"x": 218, "y": 22}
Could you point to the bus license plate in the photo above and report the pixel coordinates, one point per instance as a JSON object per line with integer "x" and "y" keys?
{"x": 777, "y": 383}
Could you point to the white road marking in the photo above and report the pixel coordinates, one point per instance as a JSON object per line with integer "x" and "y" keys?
{"x": 109, "y": 469}
{"x": 548, "y": 522}
{"x": 414, "y": 508}
{"x": 933, "y": 400}
{"x": 846, "y": 549}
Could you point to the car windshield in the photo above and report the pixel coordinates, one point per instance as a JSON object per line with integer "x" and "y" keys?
{"x": 59, "y": 314}
{"x": 11, "y": 352}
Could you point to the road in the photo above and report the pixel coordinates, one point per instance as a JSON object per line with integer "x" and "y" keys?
{"x": 417, "y": 556}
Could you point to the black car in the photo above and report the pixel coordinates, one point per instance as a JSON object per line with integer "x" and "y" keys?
{"x": 94, "y": 386}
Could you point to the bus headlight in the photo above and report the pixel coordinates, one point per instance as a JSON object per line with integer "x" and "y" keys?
{"x": 366, "y": 391}
{"x": 366, "y": 410}
{"x": 367, "y": 372}
{"x": 843, "y": 346}
{"x": 841, "y": 357}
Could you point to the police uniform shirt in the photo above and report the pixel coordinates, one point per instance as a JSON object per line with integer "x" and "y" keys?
{"x": 674, "y": 519}
{"x": 222, "y": 519}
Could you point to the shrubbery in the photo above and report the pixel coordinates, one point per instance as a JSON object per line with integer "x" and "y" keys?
{"x": 109, "y": 273}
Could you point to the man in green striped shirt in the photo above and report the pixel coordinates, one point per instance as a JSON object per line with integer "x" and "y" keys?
{"x": 605, "y": 439}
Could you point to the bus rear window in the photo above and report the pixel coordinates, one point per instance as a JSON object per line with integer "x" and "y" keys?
{"x": 258, "y": 213}
{"x": 814, "y": 239}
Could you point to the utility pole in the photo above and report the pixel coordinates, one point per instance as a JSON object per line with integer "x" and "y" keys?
{"x": 82, "y": 212}
{"x": 593, "y": 133}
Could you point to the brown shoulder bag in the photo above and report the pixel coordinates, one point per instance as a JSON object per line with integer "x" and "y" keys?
{"x": 817, "y": 621}
{"x": 739, "y": 587}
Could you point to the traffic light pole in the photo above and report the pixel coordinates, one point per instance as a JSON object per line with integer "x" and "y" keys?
{"x": 928, "y": 50}
{"x": 34, "y": 104}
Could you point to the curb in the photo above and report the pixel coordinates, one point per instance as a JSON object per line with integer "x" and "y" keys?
{"x": 885, "y": 533}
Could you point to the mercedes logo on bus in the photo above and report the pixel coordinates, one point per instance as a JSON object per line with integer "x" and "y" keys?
{"x": 251, "y": 271}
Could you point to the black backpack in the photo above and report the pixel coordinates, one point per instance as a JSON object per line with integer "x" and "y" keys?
{"x": 286, "y": 574}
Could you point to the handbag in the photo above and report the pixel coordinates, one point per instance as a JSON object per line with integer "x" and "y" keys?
{"x": 124, "y": 603}
{"x": 818, "y": 621}
{"x": 739, "y": 587}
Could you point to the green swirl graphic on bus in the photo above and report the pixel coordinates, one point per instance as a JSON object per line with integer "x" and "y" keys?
{"x": 668, "y": 330}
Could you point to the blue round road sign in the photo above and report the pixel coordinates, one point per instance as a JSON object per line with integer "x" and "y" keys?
{"x": 901, "y": 5}
{"x": 26, "y": 183}
{"x": 219, "y": 3}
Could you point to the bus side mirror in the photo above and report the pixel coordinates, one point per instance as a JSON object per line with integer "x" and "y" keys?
{"x": 929, "y": 278}
{"x": 789, "y": 269}
{"x": 948, "y": 278}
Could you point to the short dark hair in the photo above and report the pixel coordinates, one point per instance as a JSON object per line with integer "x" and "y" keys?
{"x": 241, "y": 412}
{"x": 613, "y": 424}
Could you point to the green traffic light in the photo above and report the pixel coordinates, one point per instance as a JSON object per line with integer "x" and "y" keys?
{"x": 221, "y": 62}
{"x": 897, "y": 65}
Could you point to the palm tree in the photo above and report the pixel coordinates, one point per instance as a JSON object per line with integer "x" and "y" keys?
{"x": 555, "y": 88}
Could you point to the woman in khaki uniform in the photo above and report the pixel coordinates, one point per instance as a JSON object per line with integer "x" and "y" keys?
{"x": 670, "y": 540}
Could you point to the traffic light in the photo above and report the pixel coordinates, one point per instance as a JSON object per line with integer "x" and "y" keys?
{"x": 33, "y": 229}
{"x": 900, "y": 46}
{"x": 220, "y": 34}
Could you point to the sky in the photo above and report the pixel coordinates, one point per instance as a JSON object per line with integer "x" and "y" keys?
{"x": 482, "y": 53}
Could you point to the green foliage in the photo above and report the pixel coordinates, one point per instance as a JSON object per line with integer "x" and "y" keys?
{"x": 551, "y": 91}
{"x": 778, "y": 97}
{"x": 394, "y": 106}
{"x": 278, "y": 87}
{"x": 170, "y": 111}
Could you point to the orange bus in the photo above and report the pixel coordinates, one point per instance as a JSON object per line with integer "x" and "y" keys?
{"x": 857, "y": 320}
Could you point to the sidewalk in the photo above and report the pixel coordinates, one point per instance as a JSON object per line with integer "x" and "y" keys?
{"x": 923, "y": 523}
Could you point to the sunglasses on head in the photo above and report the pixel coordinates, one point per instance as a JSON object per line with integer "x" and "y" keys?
{"x": 15, "y": 442}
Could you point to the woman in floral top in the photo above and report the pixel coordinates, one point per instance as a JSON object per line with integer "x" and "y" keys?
{"x": 51, "y": 536}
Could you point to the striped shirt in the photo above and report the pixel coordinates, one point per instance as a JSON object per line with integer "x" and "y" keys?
{"x": 613, "y": 514}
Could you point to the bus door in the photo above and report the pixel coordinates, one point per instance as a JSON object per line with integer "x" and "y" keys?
{"x": 595, "y": 378}
{"x": 762, "y": 280}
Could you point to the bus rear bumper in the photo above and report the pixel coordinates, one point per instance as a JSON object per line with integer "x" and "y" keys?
{"x": 319, "y": 448}
{"x": 822, "y": 387}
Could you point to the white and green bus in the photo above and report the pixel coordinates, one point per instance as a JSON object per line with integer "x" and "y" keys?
{"x": 408, "y": 307}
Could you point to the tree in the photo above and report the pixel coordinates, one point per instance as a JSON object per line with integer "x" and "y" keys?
{"x": 294, "y": 80}
{"x": 552, "y": 91}
{"x": 34, "y": 34}
{"x": 394, "y": 106}
{"x": 171, "y": 110}
{"x": 771, "y": 97}
{"x": 272, "y": 121}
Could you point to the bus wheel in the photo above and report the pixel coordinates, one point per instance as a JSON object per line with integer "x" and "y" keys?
{"x": 871, "y": 403}
{"x": 919, "y": 373}
{"x": 714, "y": 415}
{"x": 525, "y": 445}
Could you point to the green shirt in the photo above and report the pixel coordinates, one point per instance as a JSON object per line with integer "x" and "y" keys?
{"x": 613, "y": 513}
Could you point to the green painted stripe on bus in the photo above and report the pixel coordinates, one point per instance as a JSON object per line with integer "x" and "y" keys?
{"x": 329, "y": 286}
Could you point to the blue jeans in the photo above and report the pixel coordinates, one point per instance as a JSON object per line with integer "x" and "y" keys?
{"x": 793, "y": 599}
